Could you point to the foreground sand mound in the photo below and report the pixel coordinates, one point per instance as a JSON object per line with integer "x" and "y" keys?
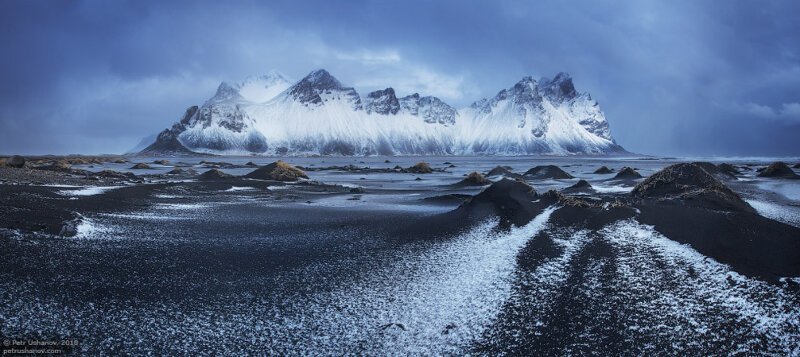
{"x": 278, "y": 171}
{"x": 547, "y": 172}
{"x": 511, "y": 200}
{"x": 15, "y": 161}
{"x": 778, "y": 169}
{"x": 694, "y": 185}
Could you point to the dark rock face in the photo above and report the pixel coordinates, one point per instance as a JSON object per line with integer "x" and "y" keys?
{"x": 780, "y": 170}
{"x": 511, "y": 200}
{"x": 431, "y": 109}
{"x": 420, "y": 168}
{"x": 278, "y": 171}
{"x": 559, "y": 89}
{"x": 547, "y": 172}
{"x": 214, "y": 174}
{"x": 603, "y": 170}
{"x": 140, "y": 166}
{"x": 691, "y": 185}
{"x": 474, "y": 179}
{"x": 382, "y": 102}
{"x": 627, "y": 173}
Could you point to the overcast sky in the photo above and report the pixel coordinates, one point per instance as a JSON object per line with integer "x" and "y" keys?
{"x": 673, "y": 77}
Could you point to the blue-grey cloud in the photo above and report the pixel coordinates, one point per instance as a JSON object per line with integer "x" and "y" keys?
{"x": 677, "y": 77}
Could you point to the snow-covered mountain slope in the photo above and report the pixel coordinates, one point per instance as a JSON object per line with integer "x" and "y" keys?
{"x": 319, "y": 115}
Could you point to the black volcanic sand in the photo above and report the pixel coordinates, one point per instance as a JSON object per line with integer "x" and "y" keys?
{"x": 230, "y": 265}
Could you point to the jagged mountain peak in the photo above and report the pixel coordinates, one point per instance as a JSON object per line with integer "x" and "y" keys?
{"x": 226, "y": 92}
{"x": 319, "y": 87}
{"x": 320, "y": 115}
{"x": 559, "y": 89}
{"x": 382, "y": 101}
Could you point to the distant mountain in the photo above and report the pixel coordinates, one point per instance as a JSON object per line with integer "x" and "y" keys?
{"x": 270, "y": 115}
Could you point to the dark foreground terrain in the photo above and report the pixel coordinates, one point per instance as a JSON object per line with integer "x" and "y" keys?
{"x": 201, "y": 256}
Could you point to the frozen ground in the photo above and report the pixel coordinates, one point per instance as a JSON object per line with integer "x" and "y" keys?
{"x": 267, "y": 268}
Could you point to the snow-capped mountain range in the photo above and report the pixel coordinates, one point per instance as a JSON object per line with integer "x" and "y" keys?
{"x": 271, "y": 115}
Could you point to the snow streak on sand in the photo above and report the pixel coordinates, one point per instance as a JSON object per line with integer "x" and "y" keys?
{"x": 627, "y": 290}
{"x": 677, "y": 296}
{"x": 88, "y": 191}
{"x": 435, "y": 302}
{"x": 782, "y": 213}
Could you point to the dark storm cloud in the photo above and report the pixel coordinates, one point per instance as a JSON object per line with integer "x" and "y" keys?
{"x": 688, "y": 78}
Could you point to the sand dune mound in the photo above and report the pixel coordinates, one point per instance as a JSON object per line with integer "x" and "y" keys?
{"x": 278, "y": 171}
{"x": 547, "y": 172}
{"x": 692, "y": 184}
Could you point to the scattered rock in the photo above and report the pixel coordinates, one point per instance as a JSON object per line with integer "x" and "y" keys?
{"x": 627, "y": 173}
{"x": 278, "y": 171}
{"x": 603, "y": 170}
{"x": 547, "y": 172}
{"x": 141, "y": 166}
{"x": 691, "y": 184}
{"x": 420, "y": 168}
{"x": 15, "y": 161}
{"x": 418, "y": 179}
{"x": 778, "y": 169}
{"x": 214, "y": 174}
{"x": 386, "y": 161}
{"x": 474, "y": 179}
{"x": 121, "y": 161}
{"x": 161, "y": 162}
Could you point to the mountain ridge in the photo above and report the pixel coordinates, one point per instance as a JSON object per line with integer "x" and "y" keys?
{"x": 318, "y": 115}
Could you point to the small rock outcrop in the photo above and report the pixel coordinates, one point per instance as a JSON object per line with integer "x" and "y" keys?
{"x": 140, "y": 166}
{"x": 278, "y": 171}
{"x": 779, "y": 170}
{"x": 693, "y": 185}
{"x": 420, "y": 168}
{"x": 474, "y": 179}
{"x": 547, "y": 172}
{"x": 214, "y": 174}
{"x": 15, "y": 161}
{"x": 161, "y": 162}
{"x": 627, "y": 173}
{"x": 603, "y": 170}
